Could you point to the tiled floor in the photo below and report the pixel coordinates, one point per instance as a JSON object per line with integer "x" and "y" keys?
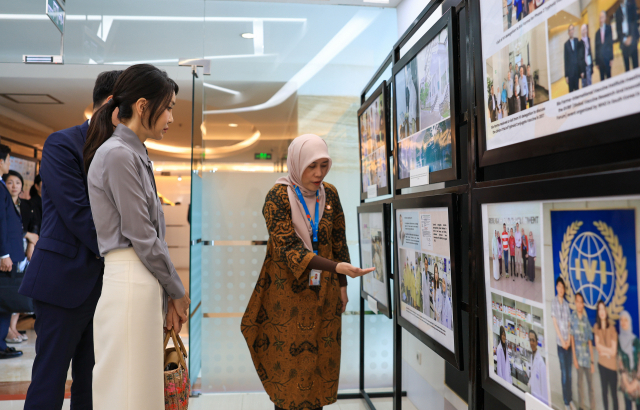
{"x": 249, "y": 401}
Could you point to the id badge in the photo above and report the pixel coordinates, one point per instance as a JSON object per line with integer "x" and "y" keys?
{"x": 588, "y": 60}
{"x": 314, "y": 277}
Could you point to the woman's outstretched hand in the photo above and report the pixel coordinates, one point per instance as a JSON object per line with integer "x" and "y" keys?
{"x": 351, "y": 271}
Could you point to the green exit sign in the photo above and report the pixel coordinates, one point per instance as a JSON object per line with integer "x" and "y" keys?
{"x": 263, "y": 155}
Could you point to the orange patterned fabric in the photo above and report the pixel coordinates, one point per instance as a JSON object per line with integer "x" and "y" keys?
{"x": 294, "y": 330}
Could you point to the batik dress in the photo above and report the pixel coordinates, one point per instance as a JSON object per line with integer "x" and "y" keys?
{"x": 294, "y": 330}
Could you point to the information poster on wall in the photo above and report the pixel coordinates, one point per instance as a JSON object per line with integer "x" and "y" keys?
{"x": 372, "y": 254}
{"x": 562, "y": 304}
{"x": 26, "y": 168}
{"x": 424, "y": 270}
{"x": 556, "y": 65}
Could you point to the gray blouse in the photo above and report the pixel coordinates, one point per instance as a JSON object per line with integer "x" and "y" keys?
{"x": 126, "y": 208}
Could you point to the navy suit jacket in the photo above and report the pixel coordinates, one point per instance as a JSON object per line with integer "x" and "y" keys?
{"x": 571, "y": 64}
{"x": 604, "y": 51}
{"x": 66, "y": 264}
{"x": 11, "y": 234}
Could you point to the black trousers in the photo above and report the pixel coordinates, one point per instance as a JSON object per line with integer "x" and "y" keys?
{"x": 630, "y": 56}
{"x": 574, "y": 83}
{"x": 5, "y": 321}
{"x": 63, "y": 335}
{"x": 605, "y": 71}
{"x": 609, "y": 381}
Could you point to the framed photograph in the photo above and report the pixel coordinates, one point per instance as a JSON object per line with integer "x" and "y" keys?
{"x": 560, "y": 300}
{"x": 425, "y": 108}
{"x": 375, "y": 245}
{"x": 555, "y": 76}
{"x": 426, "y": 275}
{"x": 373, "y": 130}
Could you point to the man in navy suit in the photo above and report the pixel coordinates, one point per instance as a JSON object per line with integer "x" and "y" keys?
{"x": 65, "y": 275}
{"x": 572, "y": 50}
{"x": 627, "y": 27}
{"x": 11, "y": 246}
{"x": 604, "y": 47}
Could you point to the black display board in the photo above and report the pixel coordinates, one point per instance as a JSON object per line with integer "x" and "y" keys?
{"x": 374, "y": 233}
{"x": 427, "y": 134}
{"x": 374, "y": 143}
{"x": 426, "y": 265}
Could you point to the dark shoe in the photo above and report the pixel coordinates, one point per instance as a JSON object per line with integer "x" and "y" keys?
{"x": 10, "y": 353}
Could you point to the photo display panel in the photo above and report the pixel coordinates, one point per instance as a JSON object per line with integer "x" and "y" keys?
{"x": 562, "y": 305}
{"x": 373, "y": 143}
{"x": 556, "y": 66}
{"x": 423, "y": 272}
{"x": 373, "y": 253}
{"x": 423, "y": 106}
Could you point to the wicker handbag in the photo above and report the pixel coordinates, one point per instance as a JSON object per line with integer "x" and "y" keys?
{"x": 177, "y": 387}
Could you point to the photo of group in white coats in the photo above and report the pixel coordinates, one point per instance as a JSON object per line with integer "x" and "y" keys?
{"x": 519, "y": 352}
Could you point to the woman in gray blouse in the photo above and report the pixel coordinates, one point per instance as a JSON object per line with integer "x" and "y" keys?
{"x": 141, "y": 288}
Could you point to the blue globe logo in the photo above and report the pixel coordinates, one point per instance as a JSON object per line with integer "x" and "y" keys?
{"x": 591, "y": 269}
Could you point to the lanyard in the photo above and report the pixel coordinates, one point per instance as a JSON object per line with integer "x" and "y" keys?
{"x": 314, "y": 226}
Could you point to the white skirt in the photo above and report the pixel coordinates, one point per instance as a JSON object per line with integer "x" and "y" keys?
{"x": 128, "y": 337}
{"x": 496, "y": 268}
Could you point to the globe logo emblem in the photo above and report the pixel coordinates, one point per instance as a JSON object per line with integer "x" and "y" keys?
{"x": 591, "y": 269}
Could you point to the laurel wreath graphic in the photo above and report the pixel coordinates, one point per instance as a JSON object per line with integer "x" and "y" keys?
{"x": 567, "y": 240}
{"x": 616, "y": 306}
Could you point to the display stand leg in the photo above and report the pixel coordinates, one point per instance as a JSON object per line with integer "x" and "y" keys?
{"x": 362, "y": 394}
{"x": 397, "y": 365}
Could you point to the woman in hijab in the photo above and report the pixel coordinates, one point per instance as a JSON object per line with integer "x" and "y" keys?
{"x": 628, "y": 356}
{"x": 503, "y": 367}
{"x": 531, "y": 259}
{"x": 496, "y": 250}
{"x": 293, "y": 321}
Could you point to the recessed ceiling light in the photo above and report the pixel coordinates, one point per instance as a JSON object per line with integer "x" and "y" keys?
{"x": 247, "y": 35}
{"x": 233, "y": 125}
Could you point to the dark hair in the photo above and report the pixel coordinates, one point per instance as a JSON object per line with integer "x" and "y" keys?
{"x": 33, "y": 191}
{"x": 598, "y": 320}
{"x": 560, "y": 280}
{"x": 581, "y": 297}
{"x": 104, "y": 86}
{"x": 534, "y": 334}
{"x": 4, "y": 152}
{"x": 137, "y": 81}
{"x": 504, "y": 347}
{"x": 13, "y": 173}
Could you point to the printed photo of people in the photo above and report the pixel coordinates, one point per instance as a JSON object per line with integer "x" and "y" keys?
{"x": 592, "y": 303}
{"x": 513, "y": 11}
{"x": 430, "y": 147}
{"x": 437, "y": 271}
{"x": 408, "y": 118}
{"x": 412, "y": 279}
{"x": 373, "y": 145}
{"x": 424, "y": 123}
{"x": 517, "y": 77}
{"x": 519, "y": 347}
{"x": 592, "y": 41}
{"x": 513, "y": 241}
{"x": 372, "y": 254}
{"x": 424, "y": 272}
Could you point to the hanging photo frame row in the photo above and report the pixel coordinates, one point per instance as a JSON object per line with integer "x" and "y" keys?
{"x": 424, "y": 106}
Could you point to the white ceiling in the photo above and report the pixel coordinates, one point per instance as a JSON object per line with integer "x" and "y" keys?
{"x": 306, "y": 48}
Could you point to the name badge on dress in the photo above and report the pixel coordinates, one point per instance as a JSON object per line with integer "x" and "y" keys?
{"x": 314, "y": 277}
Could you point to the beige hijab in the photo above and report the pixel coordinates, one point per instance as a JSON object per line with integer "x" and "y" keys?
{"x": 302, "y": 152}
